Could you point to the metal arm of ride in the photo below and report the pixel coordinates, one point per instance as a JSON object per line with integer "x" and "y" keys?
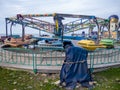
{"x": 58, "y": 28}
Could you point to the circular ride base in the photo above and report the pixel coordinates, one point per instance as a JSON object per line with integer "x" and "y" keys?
{"x": 50, "y": 59}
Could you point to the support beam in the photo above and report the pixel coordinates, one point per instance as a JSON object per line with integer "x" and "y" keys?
{"x": 6, "y": 27}
{"x": 11, "y": 29}
{"x": 23, "y": 32}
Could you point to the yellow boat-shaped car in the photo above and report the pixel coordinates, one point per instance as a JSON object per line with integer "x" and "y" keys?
{"x": 90, "y": 45}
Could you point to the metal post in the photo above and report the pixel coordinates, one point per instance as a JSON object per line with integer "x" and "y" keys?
{"x": 99, "y": 31}
{"x": 6, "y": 27}
{"x": 34, "y": 64}
{"x": 23, "y": 32}
{"x": 109, "y": 30}
{"x": 11, "y": 29}
{"x": 62, "y": 33}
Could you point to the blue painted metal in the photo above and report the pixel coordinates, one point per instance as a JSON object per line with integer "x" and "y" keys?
{"x": 33, "y": 22}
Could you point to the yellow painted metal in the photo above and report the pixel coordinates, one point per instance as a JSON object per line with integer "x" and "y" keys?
{"x": 90, "y": 45}
{"x": 113, "y": 20}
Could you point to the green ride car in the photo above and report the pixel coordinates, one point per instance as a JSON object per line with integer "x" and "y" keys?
{"x": 109, "y": 43}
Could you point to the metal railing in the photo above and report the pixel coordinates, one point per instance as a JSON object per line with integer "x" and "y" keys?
{"x": 16, "y": 56}
{"x": 105, "y": 57}
{"x": 54, "y": 56}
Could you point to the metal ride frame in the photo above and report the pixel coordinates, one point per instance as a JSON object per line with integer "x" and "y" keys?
{"x": 54, "y": 56}
{"x": 58, "y": 28}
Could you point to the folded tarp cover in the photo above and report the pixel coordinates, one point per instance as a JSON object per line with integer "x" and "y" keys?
{"x": 75, "y": 68}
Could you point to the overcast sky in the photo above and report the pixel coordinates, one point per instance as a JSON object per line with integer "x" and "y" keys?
{"x": 99, "y": 8}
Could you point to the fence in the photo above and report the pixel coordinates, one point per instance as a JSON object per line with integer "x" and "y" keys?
{"x": 53, "y": 56}
{"x": 105, "y": 57}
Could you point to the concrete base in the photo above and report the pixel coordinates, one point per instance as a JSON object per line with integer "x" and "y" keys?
{"x": 54, "y": 69}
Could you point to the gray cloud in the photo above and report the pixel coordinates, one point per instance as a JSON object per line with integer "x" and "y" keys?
{"x": 101, "y": 8}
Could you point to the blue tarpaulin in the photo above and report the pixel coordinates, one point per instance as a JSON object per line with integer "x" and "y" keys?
{"x": 75, "y": 68}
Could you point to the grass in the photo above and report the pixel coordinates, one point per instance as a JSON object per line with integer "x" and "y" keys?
{"x": 108, "y": 79}
{"x": 23, "y": 80}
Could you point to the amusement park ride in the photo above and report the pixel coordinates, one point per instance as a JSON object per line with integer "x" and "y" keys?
{"x": 59, "y": 28}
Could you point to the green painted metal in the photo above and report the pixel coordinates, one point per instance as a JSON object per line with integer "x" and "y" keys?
{"x": 54, "y": 56}
{"x": 16, "y": 56}
{"x": 105, "y": 57}
{"x": 107, "y": 42}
